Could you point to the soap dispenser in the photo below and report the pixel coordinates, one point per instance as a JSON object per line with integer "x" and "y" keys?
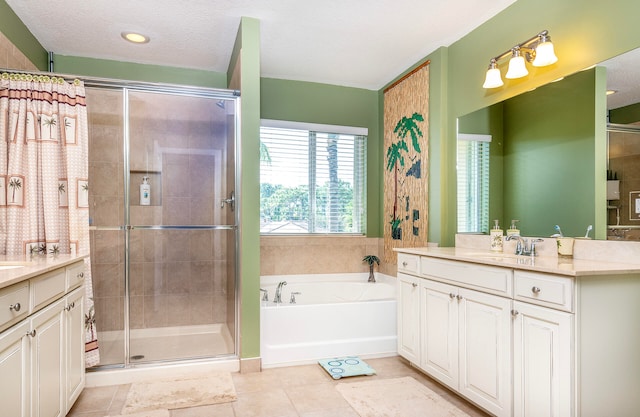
{"x": 496, "y": 237}
{"x": 145, "y": 192}
{"x": 513, "y": 230}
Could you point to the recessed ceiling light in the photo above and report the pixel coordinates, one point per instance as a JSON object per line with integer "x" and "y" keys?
{"x": 134, "y": 37}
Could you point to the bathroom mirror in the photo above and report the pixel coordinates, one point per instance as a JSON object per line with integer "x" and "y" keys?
{"x": 544, "y": 151}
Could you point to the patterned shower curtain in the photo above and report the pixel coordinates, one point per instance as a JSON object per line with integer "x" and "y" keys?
{"x": 44, "y": 187}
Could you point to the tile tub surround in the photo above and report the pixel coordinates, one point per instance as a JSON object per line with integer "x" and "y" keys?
{"x": 286, "y": 255}
{"x": 297, "y": 391}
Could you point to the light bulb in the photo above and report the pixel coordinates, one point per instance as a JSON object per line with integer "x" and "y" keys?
{"x": 545, "y": 55}
{"x": 517, "y": 68}
{"x": 493, "y": 79}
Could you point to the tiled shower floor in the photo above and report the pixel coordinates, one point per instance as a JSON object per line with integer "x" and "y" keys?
{"x": 167, "y": 343}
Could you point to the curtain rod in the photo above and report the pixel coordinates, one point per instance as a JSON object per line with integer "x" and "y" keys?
{"x": 138, "y": 85}
{"x": 407, "y": 75}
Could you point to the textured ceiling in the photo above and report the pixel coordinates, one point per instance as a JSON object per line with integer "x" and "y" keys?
{"x": 357, "y": 43}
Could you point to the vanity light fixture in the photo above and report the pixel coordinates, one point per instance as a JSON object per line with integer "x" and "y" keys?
{"x": 134, "y": 37}
{"x": 537, "y": 50}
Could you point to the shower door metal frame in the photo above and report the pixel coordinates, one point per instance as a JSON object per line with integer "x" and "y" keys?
{"x": 126, "y": 88}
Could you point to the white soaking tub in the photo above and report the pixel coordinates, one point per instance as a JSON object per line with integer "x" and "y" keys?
{"x": 334, "y": 315}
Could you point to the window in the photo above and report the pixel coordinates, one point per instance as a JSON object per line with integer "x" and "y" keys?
{"x": 473, "y": 183}
{"x": 312, "y": 178}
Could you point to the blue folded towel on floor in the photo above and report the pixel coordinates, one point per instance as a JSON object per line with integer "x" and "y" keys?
{"x": 347, "y": 366}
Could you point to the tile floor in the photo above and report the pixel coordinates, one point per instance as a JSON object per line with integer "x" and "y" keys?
{"x": 297, "y": 391}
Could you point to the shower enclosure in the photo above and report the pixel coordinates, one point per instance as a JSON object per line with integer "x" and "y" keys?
{"x": 623, "y": 182}
{"x": 163, "y": 255}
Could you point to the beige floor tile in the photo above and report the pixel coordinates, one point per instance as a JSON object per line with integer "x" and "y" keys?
{"x": 95, "y": 399}
{"x": 266, "y": 403}
{"x": 217, "y": 410}
{"x": 318, "y": 397}
{"x": 300, "y": 391}
{"x": 335, "y": 412}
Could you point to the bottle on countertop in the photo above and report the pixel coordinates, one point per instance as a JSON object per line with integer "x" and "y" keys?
{"x": 513, "y": 229}
{"x": 496, "y": 237}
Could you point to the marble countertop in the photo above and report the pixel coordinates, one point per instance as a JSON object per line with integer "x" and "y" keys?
{"x": 549, "y": 264}
{"x": 14, "y": 269}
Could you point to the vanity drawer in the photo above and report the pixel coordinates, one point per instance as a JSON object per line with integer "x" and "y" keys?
{"x": 408, "y": 263}
{"x": 544, "y": 289}
{"x": 14, "y": 304}
{"x": 47, "y": 287}
{"x": 489, "y": 279}
{"x": 75, "y": 275}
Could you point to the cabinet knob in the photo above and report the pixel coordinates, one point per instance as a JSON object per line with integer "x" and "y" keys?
{"x": 80, "y": 275}
{"x": 413, "y": 284}
{"x": 514, "y": 313}
{"x": 535, "y": 290}
{"x": 452, "y": 295}
{"x": 459, "y": 297}
{"x": 15, "y": 307}
{"x": 405, "y": 264}
{"x": 32, "y": 333}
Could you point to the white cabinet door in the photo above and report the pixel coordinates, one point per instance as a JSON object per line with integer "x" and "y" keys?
{"x": 47, "y": 359}
{"x": 14, "y": 371}
{"x": 485, "y": 350}
{"x": 439, "y": 318}
{"x": 542, "y": 361}
{"x": 74, "y": 346}
{"x": 408, "y": 288}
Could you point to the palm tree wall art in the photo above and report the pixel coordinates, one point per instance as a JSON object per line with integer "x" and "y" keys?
{"x": 406, "y": 114}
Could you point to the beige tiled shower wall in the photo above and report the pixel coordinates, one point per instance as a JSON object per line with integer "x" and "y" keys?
{"x": 177, "y": 277}
{"x": 288, "y": 255}
{"x": 12, "y": 58}
{"x": 624, "y": 160}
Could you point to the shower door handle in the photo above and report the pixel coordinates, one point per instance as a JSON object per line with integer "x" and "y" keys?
{"x": 231, "y": 201}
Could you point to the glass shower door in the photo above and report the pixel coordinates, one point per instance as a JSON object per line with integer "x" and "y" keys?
{"x": 181, "y": 226}
{"x": 163, "y": 252}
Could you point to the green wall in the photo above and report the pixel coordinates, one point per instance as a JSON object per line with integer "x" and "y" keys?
{"x": 329, "y": 104}
{"x": 626, "y": 114}
{"x": 584, "y": 32}
{"x": 116, "y": 70}
{"x": 549, "y": 157}
{"x": 247, "y": 52}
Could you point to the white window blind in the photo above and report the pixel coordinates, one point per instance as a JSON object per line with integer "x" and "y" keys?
{"x": 312, "y": 181}
{"x": 473, "y": 183}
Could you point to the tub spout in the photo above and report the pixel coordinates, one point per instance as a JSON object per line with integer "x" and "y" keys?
{"x": 278, "y": 297}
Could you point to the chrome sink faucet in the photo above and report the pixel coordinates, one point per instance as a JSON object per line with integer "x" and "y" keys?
{"x": 278, "y": 297}
{"x": 522, "y": 246}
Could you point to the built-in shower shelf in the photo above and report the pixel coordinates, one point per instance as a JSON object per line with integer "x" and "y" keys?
{"x": 155, "y": 180}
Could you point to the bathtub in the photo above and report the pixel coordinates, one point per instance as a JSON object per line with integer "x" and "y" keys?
{"x": 334, "y": 315}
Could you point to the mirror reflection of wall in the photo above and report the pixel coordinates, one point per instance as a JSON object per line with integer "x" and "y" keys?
{"x": 543, "y": 156}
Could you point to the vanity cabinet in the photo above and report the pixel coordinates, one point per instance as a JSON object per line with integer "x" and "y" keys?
{"x": 490, "y": 333}
{"x": 42, "y": 355}
{"x": 541, "y": 361}
{"x": 408, "y": 290}
{"x": 466, "y": 335}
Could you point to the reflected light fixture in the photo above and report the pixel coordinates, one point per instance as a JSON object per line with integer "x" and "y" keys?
{"x": 538, "y": 50}
{"x": 134, "y": 37}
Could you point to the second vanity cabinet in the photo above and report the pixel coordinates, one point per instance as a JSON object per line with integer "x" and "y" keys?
{"x": 42, "y": 355}
{"x": 489, "y": 333}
